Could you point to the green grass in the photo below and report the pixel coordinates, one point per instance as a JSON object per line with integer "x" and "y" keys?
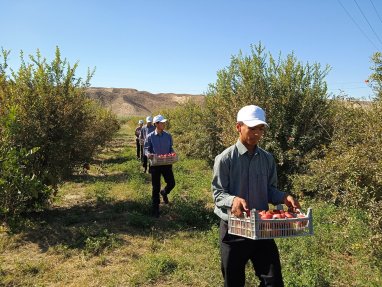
{"x": 99, "y": 232}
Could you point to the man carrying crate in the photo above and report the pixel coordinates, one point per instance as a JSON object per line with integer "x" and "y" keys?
{"x": 137, "y": 142}
{"x": 244, "y": 177}
{"x": 159, "y": 142}
{"x": 148, "y": 128}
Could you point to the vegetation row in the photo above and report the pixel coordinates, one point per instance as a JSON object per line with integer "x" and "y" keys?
{"x": 327, "y": 148}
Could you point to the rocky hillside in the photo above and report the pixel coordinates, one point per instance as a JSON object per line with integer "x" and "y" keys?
{"x": 131, "y": 102}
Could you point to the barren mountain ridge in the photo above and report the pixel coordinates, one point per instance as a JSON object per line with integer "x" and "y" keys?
{"x": 131, "y": 102}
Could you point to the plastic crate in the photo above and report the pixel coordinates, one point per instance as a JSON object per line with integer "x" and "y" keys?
{"x": 161, "y": 160}
{"x": 255, "y": 228}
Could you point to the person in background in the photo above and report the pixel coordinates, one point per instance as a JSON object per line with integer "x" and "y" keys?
{"x": 137, "y": 143}
{"x": 244, "y": 177}
{"x": 159, "y": 142}
{"x": 148, "y": 128}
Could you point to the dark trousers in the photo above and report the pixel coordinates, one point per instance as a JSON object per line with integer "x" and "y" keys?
{"x": 236, "y": 251}
{"x": 168, "y": 175}
{"x": 141, "y": 157}
{"x": 138, "y": 146}
{"x": 144, "y": 162}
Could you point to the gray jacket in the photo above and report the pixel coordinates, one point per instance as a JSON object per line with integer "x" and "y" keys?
{"x": 253, "y": 178}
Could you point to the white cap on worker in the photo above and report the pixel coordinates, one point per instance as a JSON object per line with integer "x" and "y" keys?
{"x": 159, "y": 118}
{"x": 251, "y": 116}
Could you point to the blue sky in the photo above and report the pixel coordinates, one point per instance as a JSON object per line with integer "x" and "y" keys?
{"x": 178, "y": 46}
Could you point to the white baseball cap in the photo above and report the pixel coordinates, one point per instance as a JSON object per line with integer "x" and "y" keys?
{"x": 149, "y": 119}
{"x": 159, "y": 118}
{"x": 251, "y": 116}
{"x": 140, "y": 122}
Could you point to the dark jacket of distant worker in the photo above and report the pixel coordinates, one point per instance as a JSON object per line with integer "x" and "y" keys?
{"x": 159, "y": 142}
{"x": 137, "y": 142}
{"x": 148, "y": 128}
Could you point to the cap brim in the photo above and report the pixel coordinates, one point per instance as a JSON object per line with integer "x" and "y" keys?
{"x": 254, "y": 123}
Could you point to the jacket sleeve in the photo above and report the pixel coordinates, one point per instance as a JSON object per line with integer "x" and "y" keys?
{"x": 148, "y": 146}
{"x": 220, "y": 183}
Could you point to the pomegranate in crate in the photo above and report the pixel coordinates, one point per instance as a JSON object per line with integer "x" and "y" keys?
{"x": 262, "y": 224}
{"x": 164, "y": 159}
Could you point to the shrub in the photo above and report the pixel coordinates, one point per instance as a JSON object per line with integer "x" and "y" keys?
{"x": 194, "y": 131}
{"x": 44, "y": 108}
{"x": 95, "y": 244}
{"x": 349, "y": 174}
{"x": 293, "y": 95}
{"x": 376, "y": 76}
{"x": 19, "y": 192}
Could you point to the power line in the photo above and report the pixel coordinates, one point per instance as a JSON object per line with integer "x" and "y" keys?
{"x": 376, "y": 35}
{"x": 355, "y": 23}
{"x": 376, "y": 12}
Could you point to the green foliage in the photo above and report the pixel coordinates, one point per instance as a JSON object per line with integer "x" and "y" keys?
{"x": 293, "y": 95}
{"x": 44, "y": 109}
{"x": 19, "y": 191}
{"x": 120, "y": 244}
{"x": 194, "y": 131}
{"x": 101, "y": 192}
{"x": 376, "y": 76}
{"x": 66, "y": 125}
{"x": 338, "y": 248}
{"x": 95, "y": 244}
{"x": 137, "y": 220}
{"x": 350, "y": 173}
{"x": 154, "y": 267}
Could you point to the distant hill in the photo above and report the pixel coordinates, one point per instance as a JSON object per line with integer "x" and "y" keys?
{"x": 131, "y": 102}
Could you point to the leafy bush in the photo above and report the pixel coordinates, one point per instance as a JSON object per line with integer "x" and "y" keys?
{"x": 293, "y": 95}
{"x": 95, "y": 244}
{"x": 340, "y": 237}
{"x": 349, "y": 174}
{"x": 376, "y": 76}
{"x": 194, "y": 131}
{"x": 19, "y": 191}
{"x": 44, "y": 108}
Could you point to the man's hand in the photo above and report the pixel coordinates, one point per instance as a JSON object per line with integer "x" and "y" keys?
{"x": 291, "y": 202}
{"x": 150, "y": 155}
{"x": 239, "y": 205}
